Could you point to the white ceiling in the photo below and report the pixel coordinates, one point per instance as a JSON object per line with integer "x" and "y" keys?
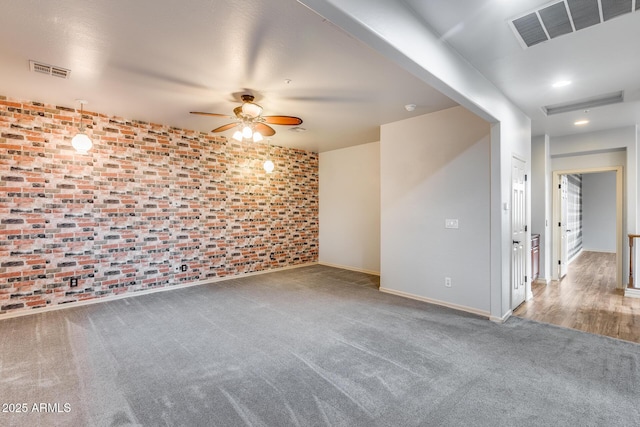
{"x": 156, "y": 60}
{"x": 600, "y": 59}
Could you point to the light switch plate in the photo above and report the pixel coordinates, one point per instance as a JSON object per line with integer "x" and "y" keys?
{"x": 450, "y": 223}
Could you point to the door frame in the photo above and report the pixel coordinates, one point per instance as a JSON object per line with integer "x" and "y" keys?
{"x": 619, "y": 212}
{"x": 527, "y": 239}
{"x": 562, "y": 251}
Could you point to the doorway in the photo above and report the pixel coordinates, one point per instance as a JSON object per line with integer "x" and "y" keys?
{"x": 567, "y": 225}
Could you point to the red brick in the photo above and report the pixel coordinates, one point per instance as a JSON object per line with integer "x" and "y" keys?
{"x": 216, "y": 185}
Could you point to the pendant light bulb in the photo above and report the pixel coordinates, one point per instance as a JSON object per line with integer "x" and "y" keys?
{"x": 81, "y": 141}
{"x": 257, "y": 137}
{"x": 247, "y": 132}
{"x": 237, "y": 135}
{"x": 268, "y": 164}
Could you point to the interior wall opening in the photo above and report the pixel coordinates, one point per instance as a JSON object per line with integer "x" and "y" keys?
{"x": 587, "y": 217}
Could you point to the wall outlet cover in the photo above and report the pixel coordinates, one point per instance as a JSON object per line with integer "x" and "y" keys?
{"x": 451, "y": 223}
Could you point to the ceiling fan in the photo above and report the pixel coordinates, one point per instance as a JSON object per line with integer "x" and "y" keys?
{"x": 250, "y": 122}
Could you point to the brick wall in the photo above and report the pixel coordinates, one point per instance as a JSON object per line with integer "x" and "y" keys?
{"x": 146, "y": 199}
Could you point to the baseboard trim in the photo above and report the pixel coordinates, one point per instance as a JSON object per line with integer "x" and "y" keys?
{"x": 542, "y": 281}
{"x": 502, "y": 319}
{"x": 436, "y": 302}
{"x": 346, "y": 267}
{"x": 20, "y": 313}
{"x": 632, "y": 292}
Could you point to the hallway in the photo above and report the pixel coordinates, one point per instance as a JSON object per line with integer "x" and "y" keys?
{"x": 587, "y": 300}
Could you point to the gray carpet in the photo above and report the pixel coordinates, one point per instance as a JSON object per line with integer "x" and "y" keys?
{"x": 306, "y": 347}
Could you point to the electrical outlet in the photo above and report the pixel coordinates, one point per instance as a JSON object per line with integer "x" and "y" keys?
{"x": 183, "y": 267}
{"x": 73, "y": 282}
{"x": 451, "y": 223}
{"x": 447, "y": 282}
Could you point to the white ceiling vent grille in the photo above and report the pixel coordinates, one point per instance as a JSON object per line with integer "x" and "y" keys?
{"x": 566, "y": 16}
{"x": 585, "y": 104}
{"x": 39, "y": 67}
{"x": 556, "y": 20}
{"x": 585, "y": 13}
{"x": 613, "y": 8}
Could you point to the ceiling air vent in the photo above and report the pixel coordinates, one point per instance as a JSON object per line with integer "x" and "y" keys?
{"x": 585, "y": 13}
{"x": 556, "y": 20}
{"x": 39, "y": 67}
{"x": 613, "y": 8}
{"x": 530, "y": 29}
{"x": 566, "y": 16}
{"x": 584, "y": 104}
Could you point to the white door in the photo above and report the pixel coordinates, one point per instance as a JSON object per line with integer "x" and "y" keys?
{"x": 519, "y": 232}
{"x": 564, "y": 216}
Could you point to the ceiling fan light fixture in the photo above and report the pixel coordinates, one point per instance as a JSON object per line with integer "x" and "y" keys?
{"x": 248, "y": 121}
{"x": 251, "y": 110}
{"x": 237, "y": 135}
{"x": 247, "y": 132}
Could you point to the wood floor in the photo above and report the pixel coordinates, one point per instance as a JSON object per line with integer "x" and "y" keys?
{"x": 587, "y": 300}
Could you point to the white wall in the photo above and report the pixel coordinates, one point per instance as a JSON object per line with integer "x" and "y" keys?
{"x": 581, "y": 161}
{"x": 541, "y": 201}
{"x": 599, "y": 212}
{"x": 444, "y": 173}
{"x": 391, "y": 28}
{"x": 350, "y": 208}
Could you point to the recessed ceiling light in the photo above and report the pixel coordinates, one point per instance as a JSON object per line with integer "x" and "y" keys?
{"x": 562, "y": 83}
{"x": 297, "y": 129}
{"x": 581, "y": 122}
{"x": 410, "y": 107}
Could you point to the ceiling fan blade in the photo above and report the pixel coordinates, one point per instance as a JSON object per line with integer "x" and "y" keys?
{"x": 265, "y": 130}
{"x": 282, "y": 120}
{"x": 211, "y": 114}
{"x": 225, "y": 127}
